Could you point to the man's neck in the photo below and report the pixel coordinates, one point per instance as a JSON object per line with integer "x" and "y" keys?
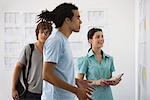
{"x": 65, "y": 31}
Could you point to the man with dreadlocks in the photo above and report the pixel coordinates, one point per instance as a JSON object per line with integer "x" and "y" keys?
{"x": 58, "y": 69}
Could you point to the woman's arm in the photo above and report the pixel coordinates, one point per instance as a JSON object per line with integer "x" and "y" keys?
{"x": 80, "y": 76}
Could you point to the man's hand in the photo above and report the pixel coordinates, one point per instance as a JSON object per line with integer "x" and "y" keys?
{"x": 15, "y": 95}
{"x": 82, "y": 94}
{"x": 86, "y": 84}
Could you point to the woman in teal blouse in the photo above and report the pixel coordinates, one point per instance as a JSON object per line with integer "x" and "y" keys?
{"x": 97, "y": 66}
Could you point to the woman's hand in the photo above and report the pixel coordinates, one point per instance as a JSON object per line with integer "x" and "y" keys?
{"x": 117, "y": 81}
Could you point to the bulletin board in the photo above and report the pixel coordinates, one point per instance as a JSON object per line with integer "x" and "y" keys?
{"x": 143, "y": 50}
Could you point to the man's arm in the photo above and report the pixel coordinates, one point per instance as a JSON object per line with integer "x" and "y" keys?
{"x": 49, "y": 76}
{"x": 15, "y": 78}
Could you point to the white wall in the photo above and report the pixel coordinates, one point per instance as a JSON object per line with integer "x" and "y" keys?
{"x": 120, "y": 24}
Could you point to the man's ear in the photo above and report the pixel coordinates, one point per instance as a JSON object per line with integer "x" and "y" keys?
{"x": 67, "y": 20}
{"x": 90, "y": 41}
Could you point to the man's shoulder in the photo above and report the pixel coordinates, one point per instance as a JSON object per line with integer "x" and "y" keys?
{"x": 53, "y": 37}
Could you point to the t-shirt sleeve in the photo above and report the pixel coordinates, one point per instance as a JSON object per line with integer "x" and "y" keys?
{"x": 23, "y": 55}
{"x": 112, "y": 68}
{"x": 52, "y": 50}
{"x": 82, "y": 65}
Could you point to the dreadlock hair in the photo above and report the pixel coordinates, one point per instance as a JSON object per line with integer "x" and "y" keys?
{"x": 58, "y": 15}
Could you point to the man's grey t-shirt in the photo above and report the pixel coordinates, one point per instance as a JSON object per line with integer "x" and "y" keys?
{"x": 35, "y": 72}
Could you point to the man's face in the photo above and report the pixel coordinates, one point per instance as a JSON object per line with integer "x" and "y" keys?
{"x": 75, "y": 21}
{"x": 43, "y": 35}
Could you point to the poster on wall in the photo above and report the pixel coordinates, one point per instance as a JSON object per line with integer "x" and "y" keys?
{"x": 18, "y": 29}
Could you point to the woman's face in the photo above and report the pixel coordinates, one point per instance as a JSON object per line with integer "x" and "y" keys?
{"x": 97, "y": 40}
{"x": 43, "y": 35}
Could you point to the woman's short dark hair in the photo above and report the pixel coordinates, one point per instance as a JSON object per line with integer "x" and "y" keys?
{"x": 59, "y": 14}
